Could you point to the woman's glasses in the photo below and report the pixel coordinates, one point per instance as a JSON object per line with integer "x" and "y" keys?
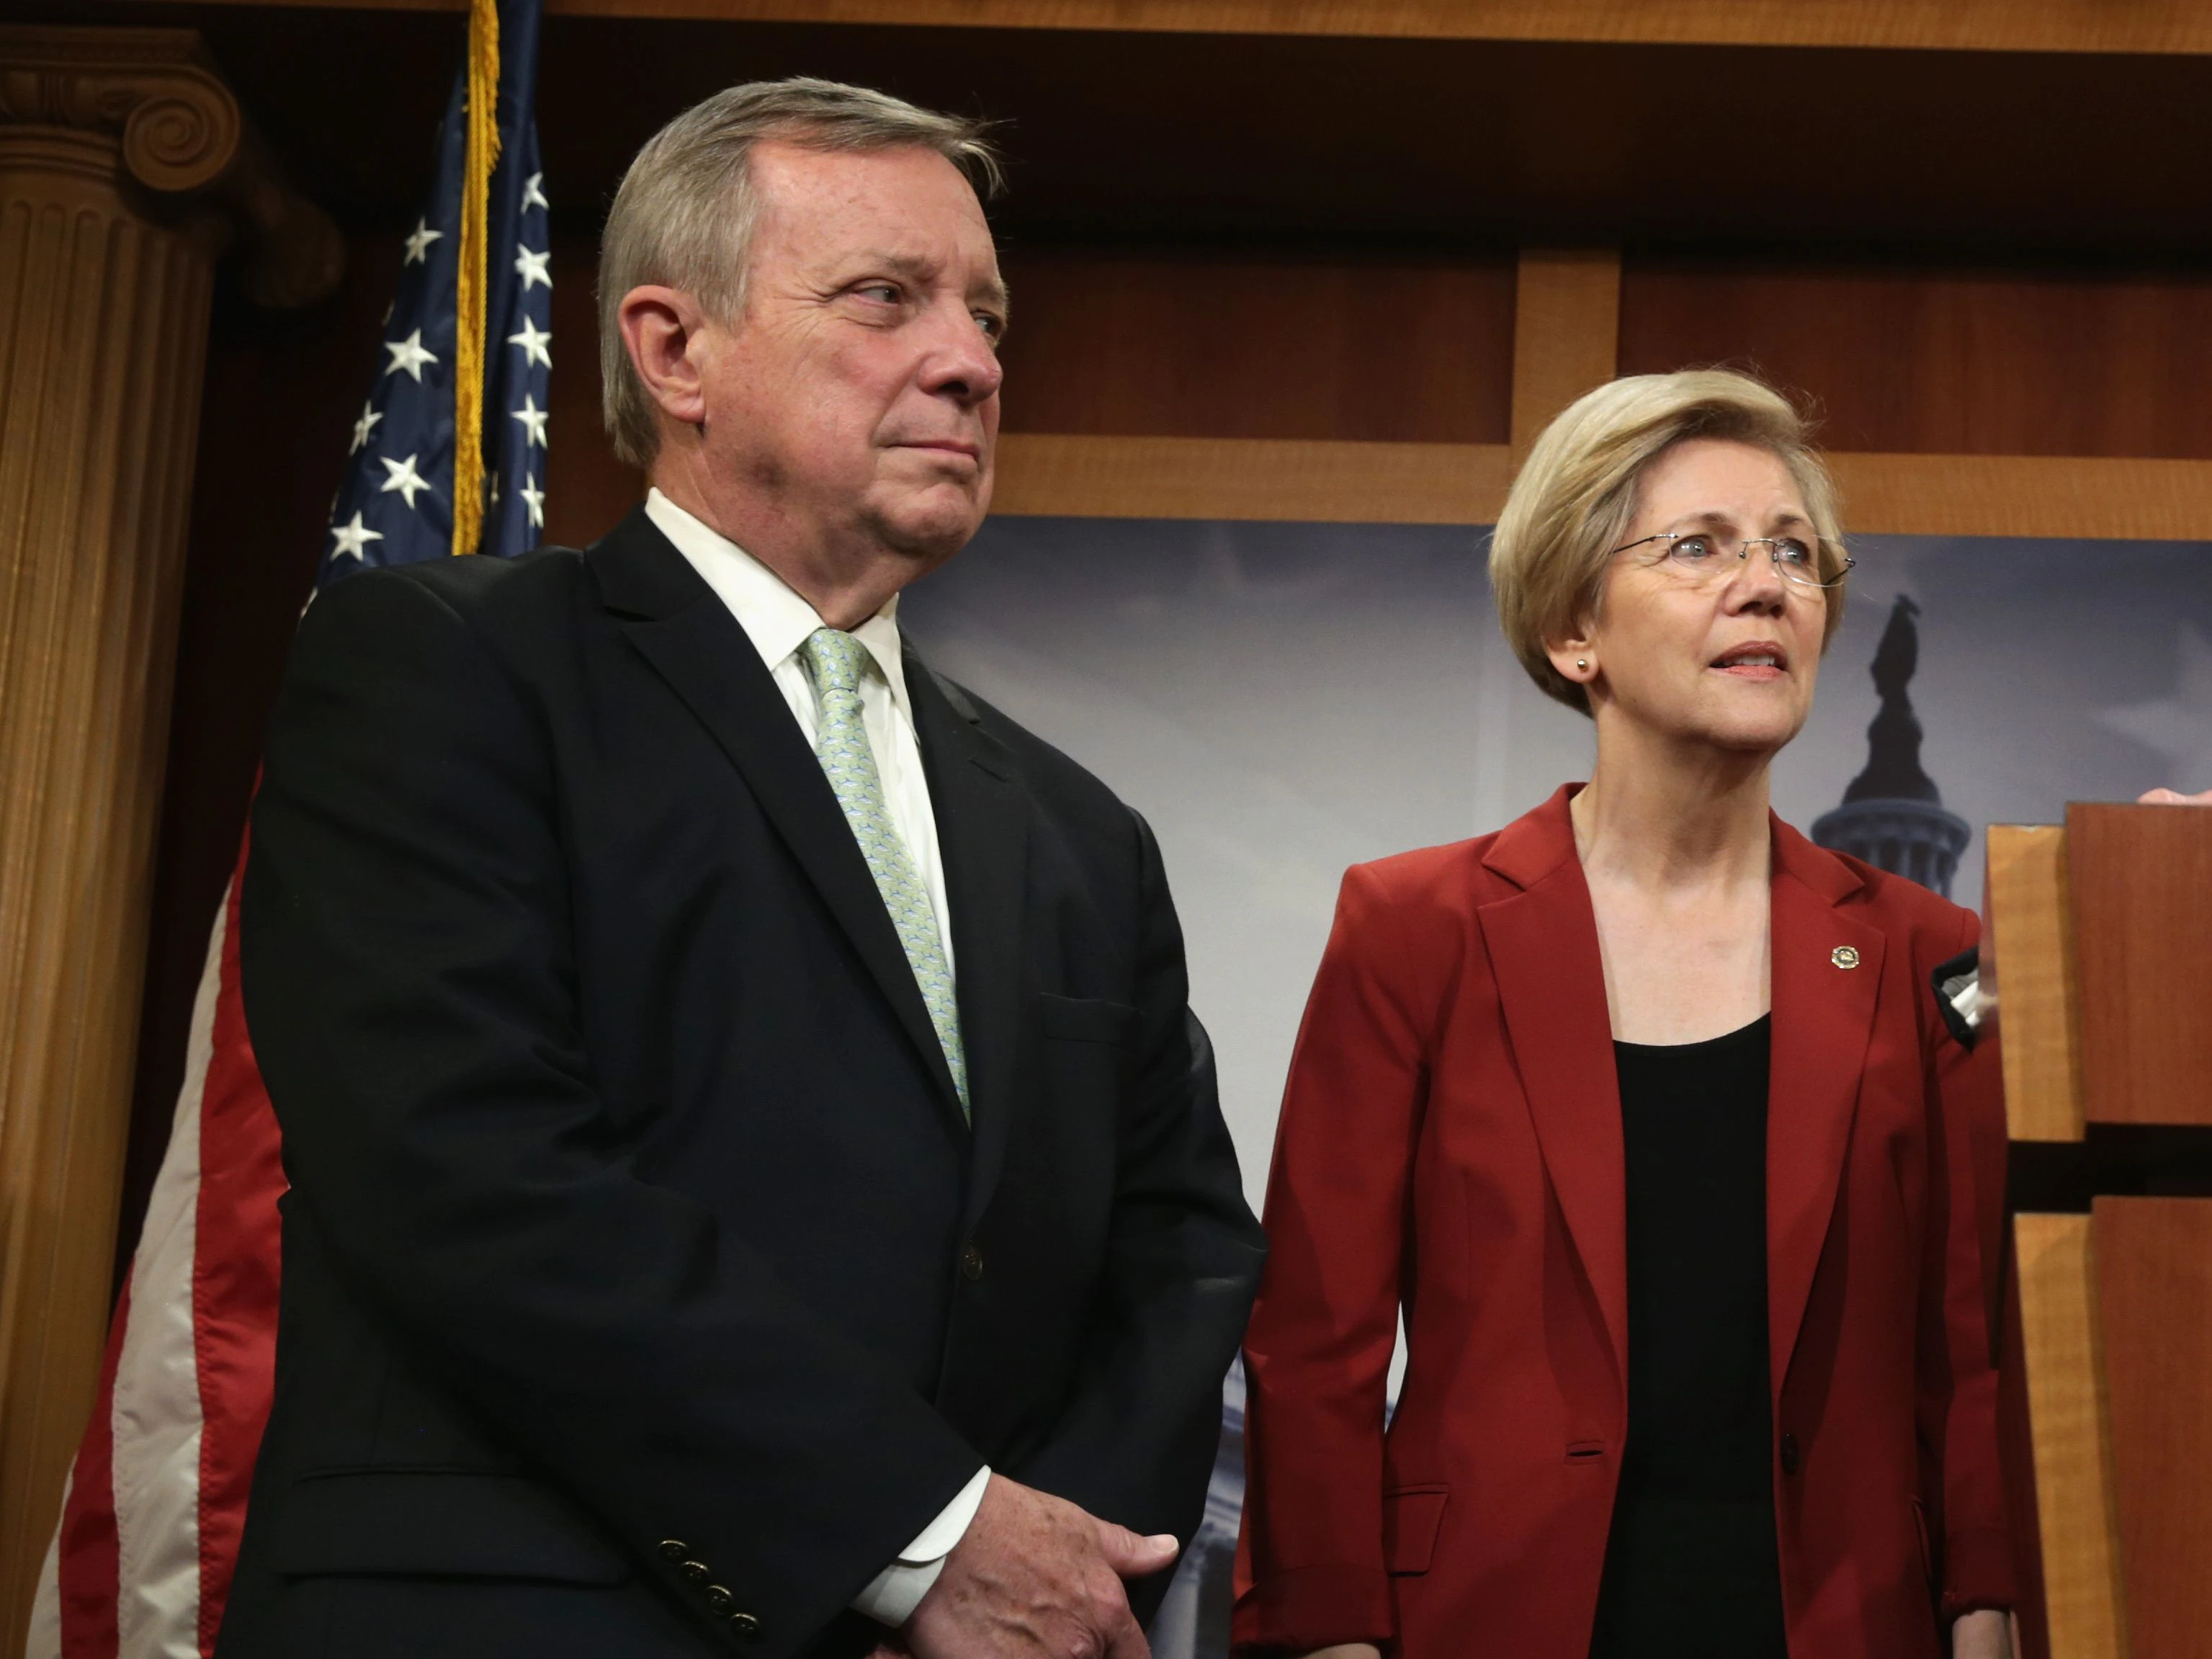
{"x": 1704, "y": 557}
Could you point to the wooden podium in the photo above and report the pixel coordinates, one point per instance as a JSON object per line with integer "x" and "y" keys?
{"x": 2098, "y": 950}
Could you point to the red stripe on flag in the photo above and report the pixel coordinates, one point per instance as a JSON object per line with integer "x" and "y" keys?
{"x": 87, "y": 1569}
{"x": 235, "y": 1277}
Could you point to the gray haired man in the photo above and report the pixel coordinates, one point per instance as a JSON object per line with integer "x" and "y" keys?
{"x": 758, "y": 1186}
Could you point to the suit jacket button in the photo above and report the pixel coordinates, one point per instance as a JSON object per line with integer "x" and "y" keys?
{"x": 745, "y": 1626}
{"x": 697, "y": 1572}
{"x": 674, "y": 1549}
{"x": 718, "y": 1598}
{"x": 971, "y": 1264}
{"x": 1790, "y": 1457}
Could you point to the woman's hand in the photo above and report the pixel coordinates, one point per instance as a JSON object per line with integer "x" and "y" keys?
{"x": 1984, "y": 1635}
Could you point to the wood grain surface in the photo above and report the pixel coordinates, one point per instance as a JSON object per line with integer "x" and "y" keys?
{"x": 1041, "y": 474}
{"x": 2027, "y": 962}
{"x": 1465, "y": 483}
{"x": 2016, "y": 1449}
{"x": 1315, "y": 345}
{"x": 2141, "y": 883}
{"x": 2079, "y": 26}
{"x": 1566, "y": 333}
{"x": 2092, "y": 496}
{"x": 2154, "y": 1268}
{"x": 1295, "y": 142}
{"x": 1929, "y": 359}
{"x": 2085, "y": 1603}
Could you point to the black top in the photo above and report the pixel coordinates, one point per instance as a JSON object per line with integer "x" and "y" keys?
{"x": 1691, "y": 1566}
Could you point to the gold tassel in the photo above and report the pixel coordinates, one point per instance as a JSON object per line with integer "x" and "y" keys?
{"x": 471, "y": 283}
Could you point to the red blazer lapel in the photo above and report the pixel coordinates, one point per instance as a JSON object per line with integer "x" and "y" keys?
{"x": 1824, "y": 1012}
{"x": 1542, "y": 943}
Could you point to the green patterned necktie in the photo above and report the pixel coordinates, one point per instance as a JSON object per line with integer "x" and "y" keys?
{"x": 835, "y": 659}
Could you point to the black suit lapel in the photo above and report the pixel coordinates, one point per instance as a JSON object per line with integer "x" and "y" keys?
{"x": 674, "y": 619}
{"x": 982, "y": 832}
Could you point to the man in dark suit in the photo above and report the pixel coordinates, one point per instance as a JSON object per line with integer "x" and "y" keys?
{"x": 757, "y": 1184}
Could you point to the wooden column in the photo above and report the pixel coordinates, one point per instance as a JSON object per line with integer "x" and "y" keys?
{"x": 125, "y": 166}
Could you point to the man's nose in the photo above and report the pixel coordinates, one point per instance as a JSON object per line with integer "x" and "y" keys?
{"x": 962, "y": 365}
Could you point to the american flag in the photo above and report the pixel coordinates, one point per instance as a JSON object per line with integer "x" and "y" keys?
{"x": 140, "y": 1561}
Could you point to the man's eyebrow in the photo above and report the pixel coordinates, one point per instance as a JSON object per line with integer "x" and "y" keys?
{"x": 911, "y": 266}
{"x": 915, "y": 269}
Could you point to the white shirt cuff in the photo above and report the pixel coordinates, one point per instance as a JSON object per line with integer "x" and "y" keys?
{"x": 893, "y": 1594}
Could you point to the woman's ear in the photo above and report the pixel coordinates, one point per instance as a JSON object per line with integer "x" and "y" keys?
{"x": 1575, "y": 656}
{"x": 660, "y": 328}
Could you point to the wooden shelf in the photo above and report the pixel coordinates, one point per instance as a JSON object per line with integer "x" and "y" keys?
{"x": 2076, "y": 25}
{"x": 1047, "y": 475}
{"x": 1043, "y": 475}
{"x": 1448, "y": 125}
{"x": 2120, "y": 498}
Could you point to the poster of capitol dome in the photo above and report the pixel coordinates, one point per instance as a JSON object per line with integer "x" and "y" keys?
{"x": 1282, "y": 701}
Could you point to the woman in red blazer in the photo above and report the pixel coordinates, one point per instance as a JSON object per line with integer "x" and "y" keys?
{"x": 1645, "y": 1112}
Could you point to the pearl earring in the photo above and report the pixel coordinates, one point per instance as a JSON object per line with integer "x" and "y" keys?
{"x": 1582, "y": 662}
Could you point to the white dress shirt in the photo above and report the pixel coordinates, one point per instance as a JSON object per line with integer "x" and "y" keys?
{"x": 778, "y": 621}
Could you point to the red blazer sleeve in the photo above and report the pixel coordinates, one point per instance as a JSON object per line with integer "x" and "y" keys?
{"x": 1958, "y": 1391}
{"x": 1318, "y": 1354}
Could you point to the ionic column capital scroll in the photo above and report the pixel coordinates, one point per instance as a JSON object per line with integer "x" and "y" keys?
{"x": 157, "y": 94}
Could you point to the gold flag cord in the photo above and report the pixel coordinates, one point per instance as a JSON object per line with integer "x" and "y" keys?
{"x": 472, "y": 283}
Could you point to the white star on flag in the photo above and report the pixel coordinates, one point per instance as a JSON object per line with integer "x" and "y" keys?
{"x": 418, "y": 242}
{"x": 536, "y": 344}
{"x": 408, "y": 354}
{"x": 404, "y": 478}
{"x": 533, "y": 419}
{"x": 363, "y": 426}
{"x": 351, "y": 540}
{"x": 530, "y": 493}
{"x": 531, "y": 267}
{"x": 531, "y": 196}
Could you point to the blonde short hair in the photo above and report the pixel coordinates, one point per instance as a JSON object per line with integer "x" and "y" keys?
{"x": 1576, "y": 496}
{"x": 684, "y": 216}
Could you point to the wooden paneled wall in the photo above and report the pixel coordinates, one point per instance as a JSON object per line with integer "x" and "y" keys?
{"x": 1315, "y": 384}
{"x": 1296, "y": 347}
{"x": 1921, "y": 360}
{"x": 1956, "y": 402}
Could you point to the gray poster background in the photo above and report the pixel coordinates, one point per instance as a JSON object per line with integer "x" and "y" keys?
{"x": 1283, "y": 700}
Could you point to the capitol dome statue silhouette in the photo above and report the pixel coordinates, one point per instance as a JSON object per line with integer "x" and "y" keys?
{"x": 1892, "y": 815}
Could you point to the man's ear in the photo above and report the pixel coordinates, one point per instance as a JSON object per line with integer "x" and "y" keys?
{"x": 662, "y": 330}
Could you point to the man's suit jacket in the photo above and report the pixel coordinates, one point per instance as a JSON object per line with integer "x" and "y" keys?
{"x": 645, "y": 1290}
{"x": 1452, "y": 1134}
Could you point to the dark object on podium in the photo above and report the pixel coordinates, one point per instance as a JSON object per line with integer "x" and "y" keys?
{"x": 2095, "y": 953}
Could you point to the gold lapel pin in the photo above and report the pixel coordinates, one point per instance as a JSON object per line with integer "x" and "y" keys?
{"x": 1844, "y": 956}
